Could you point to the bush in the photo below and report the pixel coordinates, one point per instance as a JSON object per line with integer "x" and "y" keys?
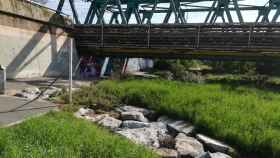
{"x": 192, "y": 77}
{"x": 167, "y": 75}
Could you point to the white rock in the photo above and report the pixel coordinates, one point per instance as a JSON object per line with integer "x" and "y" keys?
{"x": 110, "y": 122}
{"x": 127, "y": 108}
{"x": 134, "y": 124}
{"x": 136, "y": 116}
{"x": 177, "y": 126}
{"x": 51, "y": 91}
{"x": 150, "y": 114}
{"x": 188, "y": 146}
{"x": 161, "y": 128}
{"x": 29, "y": 93}
{"x": 214, "y": 145}
{"x": 167, "y": 153}
{"x": 213, "y": 155}
{"x": 32, "y": 90}
{"x": 96, "y": 118}
{"x": 219, "y": 155}
{"x": 83, "y": 112}
{"x": 146, "y": 136}
{"x": 181, "y": 127}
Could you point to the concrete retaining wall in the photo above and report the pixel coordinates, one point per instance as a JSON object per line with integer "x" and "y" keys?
{"x": 32, "y": 48}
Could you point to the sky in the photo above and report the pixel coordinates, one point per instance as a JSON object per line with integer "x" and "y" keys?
{"x": 249, "y": 16}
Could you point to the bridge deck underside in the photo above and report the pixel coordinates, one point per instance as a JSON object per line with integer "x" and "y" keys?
{"x": 239, "y": 41}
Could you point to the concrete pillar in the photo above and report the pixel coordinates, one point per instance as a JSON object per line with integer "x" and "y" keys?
{"x": 2, "y": 80}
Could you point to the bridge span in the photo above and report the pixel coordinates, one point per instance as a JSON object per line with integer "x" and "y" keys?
{"x": 196, "y": 41}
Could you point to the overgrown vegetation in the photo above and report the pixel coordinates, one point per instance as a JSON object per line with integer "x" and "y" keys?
{"x": 60, "y": 135}
{"x": 247, "y": 118}
{"x": 220, "y": 67}
{"x": 259, "y": 74}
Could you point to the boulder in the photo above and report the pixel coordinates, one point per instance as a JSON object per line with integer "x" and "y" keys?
{"x": 134, "y": 124}
{"x": 176, "y": 127}
{"x": 219, "y": 155}
{"x": 167, "y": 153}
{"x": 110, "y": 122}
{"x": 215, "y": 145}
{"x": 181, "y": 127}
{"x": 145, "y": 136}
{"x": 161, "y": 128}
{"x": 134, "y": 115}
{"x": 127, "y": 108}
{"x": 159, "y": 125}
{"x": 166, "y": 141}
{"x": 213, "y": 155}
{"x": 188, "y": 146}
{"x": 150, "y": 114}
{"x": 82, "y": 112}
{"x": 96, "y": 118}
{"x": 164, "y": 119}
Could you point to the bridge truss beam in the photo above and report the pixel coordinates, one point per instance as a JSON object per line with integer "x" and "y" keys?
{"x": 121, "y": 11}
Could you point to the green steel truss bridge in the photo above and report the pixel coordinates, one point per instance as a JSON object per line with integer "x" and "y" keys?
{"x": 231, "y": 38}
{"x": 145, "y": 10}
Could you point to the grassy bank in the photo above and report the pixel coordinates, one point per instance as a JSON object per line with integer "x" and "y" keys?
{"x": 59, "y": 135}
{"x": 247, "y": 118}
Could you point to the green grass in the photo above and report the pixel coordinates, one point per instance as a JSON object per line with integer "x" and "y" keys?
{"x": 247, "y": 118}
{"x": 60, "y": 135}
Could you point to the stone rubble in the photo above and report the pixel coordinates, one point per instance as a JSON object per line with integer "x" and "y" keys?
{"x": 176, "y": 126}
{"x": 214, "y": 145}
{"x": 110, "y": 122}
{"x": 134, "y": 124}
{"x": 33, "y": 92}
{"x": 134, "y": 115}
{"x": 188, "y": 146}
{"x": 213, "y": 155}
{"x": 167, "y": 153}
{"x": 169, "y": 138}
{"x": 29, "y": 93}
{"x": 83, "y": 112}
{"x": 146, "y": 136}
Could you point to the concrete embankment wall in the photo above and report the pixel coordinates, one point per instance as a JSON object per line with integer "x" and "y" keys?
{"x": 33, "y": 40}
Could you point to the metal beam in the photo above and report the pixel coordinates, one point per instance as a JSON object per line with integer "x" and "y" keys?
{"x": 144, "y": 10}
{"x": 75, "y": 14}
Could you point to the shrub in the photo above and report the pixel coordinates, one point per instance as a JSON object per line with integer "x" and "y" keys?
{"x": 167, "y": 75}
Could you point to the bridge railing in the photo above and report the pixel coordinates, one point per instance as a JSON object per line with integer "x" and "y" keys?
{"x": 217, "y": 36}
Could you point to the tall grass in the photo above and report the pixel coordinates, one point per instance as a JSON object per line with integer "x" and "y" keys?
{"x": 60, "y": 135}
{"x": 247, "y": 118}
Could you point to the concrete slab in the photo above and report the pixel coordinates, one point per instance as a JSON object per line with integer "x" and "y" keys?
{"x": 30, "y": 109}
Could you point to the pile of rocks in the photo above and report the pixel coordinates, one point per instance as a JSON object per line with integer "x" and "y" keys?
{"x": 34, "y": 92}
{"x": 168, "y": 137}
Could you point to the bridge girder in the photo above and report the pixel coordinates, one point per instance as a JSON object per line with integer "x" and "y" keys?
{"x": 144, "y": 10}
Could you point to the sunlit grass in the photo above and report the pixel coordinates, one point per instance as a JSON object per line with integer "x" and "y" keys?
{"x": 60, "y": 135}
{"x": 247, "y": 118}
